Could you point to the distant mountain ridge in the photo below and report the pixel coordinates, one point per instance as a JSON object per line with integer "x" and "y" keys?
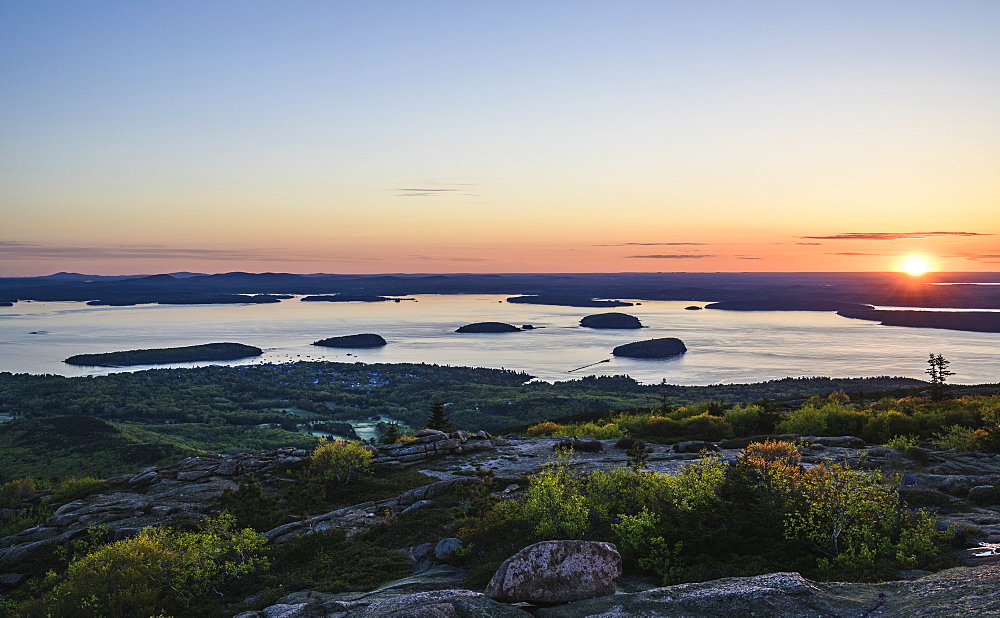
{"x": 817, "y": 289}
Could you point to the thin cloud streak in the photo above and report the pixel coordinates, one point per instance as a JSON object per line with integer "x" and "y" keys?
{"x": 672, "y": 256}
{"x": 891, "y": 235}
{"x": 656, "y": 244}
{"x": 851, "y": 253}
{"x": 15, "y": 250}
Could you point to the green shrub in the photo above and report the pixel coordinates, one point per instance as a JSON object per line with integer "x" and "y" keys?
{"x": 843, "y": 420}
{"x": 960, "y": 438}
{"x": 555, "y": 502}
{"x": 340, "y": 461}
{"x": 607, "y": 431}
{"x": 806, "y": 421}
{"x": 159, "y": 571}
{"x": 545, "y": 428}
{"x": 902, "y": 443}
{"x": 886, "y": 425}
{"x": 16, "y": 491}
{"x": 327, "y": 562}
{"x": 706, "y": 427}
{"x": 251, "y": 507}
{"x": 746, "y": 421}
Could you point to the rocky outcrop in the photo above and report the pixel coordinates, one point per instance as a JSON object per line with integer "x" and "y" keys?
{"x": 557, "y": 572}
{"x": 363, "y": 340}
{"x": 431, "y": 444}
{"x": 959, "y": 591}
{"x": 612, "y": 319}
{"x": 488, "y": 327}
{"x": 652, "y": 348}
{"x": 152, "y": 496}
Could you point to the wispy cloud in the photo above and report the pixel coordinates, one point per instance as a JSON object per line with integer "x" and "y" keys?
{"x": 742, "y": 257}
{"x": 851, "y": 253}
{"x": 984, "y": 258}
{"x": 15, "y": 250}
{"x": 435, "y": 191}
{"x": 809, "y": 243}
{"x": 655, "y": 244}
{"x": 673, "y": 256}
{"x": 441, "y": 258}
{"x": 891, "y": 235}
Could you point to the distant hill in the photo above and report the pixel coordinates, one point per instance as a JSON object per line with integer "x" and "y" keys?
{"x": 80, "y": 446}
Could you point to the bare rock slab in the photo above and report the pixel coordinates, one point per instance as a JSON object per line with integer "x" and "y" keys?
{"x": 558, "y": 572}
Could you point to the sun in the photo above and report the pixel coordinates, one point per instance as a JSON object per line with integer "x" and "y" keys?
{"x": 914, "y": 265}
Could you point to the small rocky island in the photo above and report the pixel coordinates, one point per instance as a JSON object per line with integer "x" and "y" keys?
{"x": 611, "y": 320}
{"x": 488, "y": 327}
{"x": 159, "y": 356}
{"x": 664, "y": 347}
{"x": 362, "y": 340}
{"x": 566, "y": 301}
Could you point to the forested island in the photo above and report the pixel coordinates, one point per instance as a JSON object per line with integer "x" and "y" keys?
{"x": 488, "y": 327}
{"x": 611, "y": 320}
{"x": 664, "y": 347}
{"x": 362, "y": 340}
{"x": 159, "y": 356}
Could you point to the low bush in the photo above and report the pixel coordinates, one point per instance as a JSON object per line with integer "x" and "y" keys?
{"x": 765, "y": 513}
{"x": 159, "y": 571}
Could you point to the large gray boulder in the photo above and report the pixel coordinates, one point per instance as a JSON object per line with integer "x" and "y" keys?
{"x": 557, "y": 572}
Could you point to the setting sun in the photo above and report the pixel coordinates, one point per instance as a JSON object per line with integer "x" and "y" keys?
{"x": 914, "y": 265}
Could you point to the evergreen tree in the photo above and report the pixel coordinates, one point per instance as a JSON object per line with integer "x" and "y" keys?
{"x": 390, "y": 432}
{"x": 438, "y": 418}
{"x": 938, "y": 371}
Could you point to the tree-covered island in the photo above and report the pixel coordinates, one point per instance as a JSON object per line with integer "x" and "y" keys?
{"x": 159, "y": 356}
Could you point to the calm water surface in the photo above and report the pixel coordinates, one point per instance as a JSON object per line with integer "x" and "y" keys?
{"x": 723, "y": 346}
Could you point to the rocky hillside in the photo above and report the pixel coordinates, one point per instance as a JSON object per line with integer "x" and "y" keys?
{"x": 958, "y": 488}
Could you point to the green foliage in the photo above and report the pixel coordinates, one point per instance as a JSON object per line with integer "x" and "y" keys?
{"x": 902, "y": 443}
{"x": 555, "y": 502}
{"x": 607, "y": 431}
{"x": 390, "y": 433}
{"x": 156, "y": 572}
{"x": 959, "y": 438}
{"x": 439, "y": 419}
{"x": 71, "y": 445}
{"x": 806, "y": 421}
{"x": 764, "y": 513}
{"x": 339, "y": 462}
{"x": 251, "y": 507}
{"x": 327, "y": 562}
{"x": 886, "y": 425}
{"x": 16, "y": 491}
{"x": 746, "y": 420}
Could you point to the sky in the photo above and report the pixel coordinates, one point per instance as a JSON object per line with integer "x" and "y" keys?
{"x": 516, "y": 136}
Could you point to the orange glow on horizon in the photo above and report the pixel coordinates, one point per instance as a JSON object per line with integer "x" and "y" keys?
{"x": 915, "y": 265}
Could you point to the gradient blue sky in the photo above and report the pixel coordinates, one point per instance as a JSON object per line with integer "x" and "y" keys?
{"x": 498, "y": 137}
